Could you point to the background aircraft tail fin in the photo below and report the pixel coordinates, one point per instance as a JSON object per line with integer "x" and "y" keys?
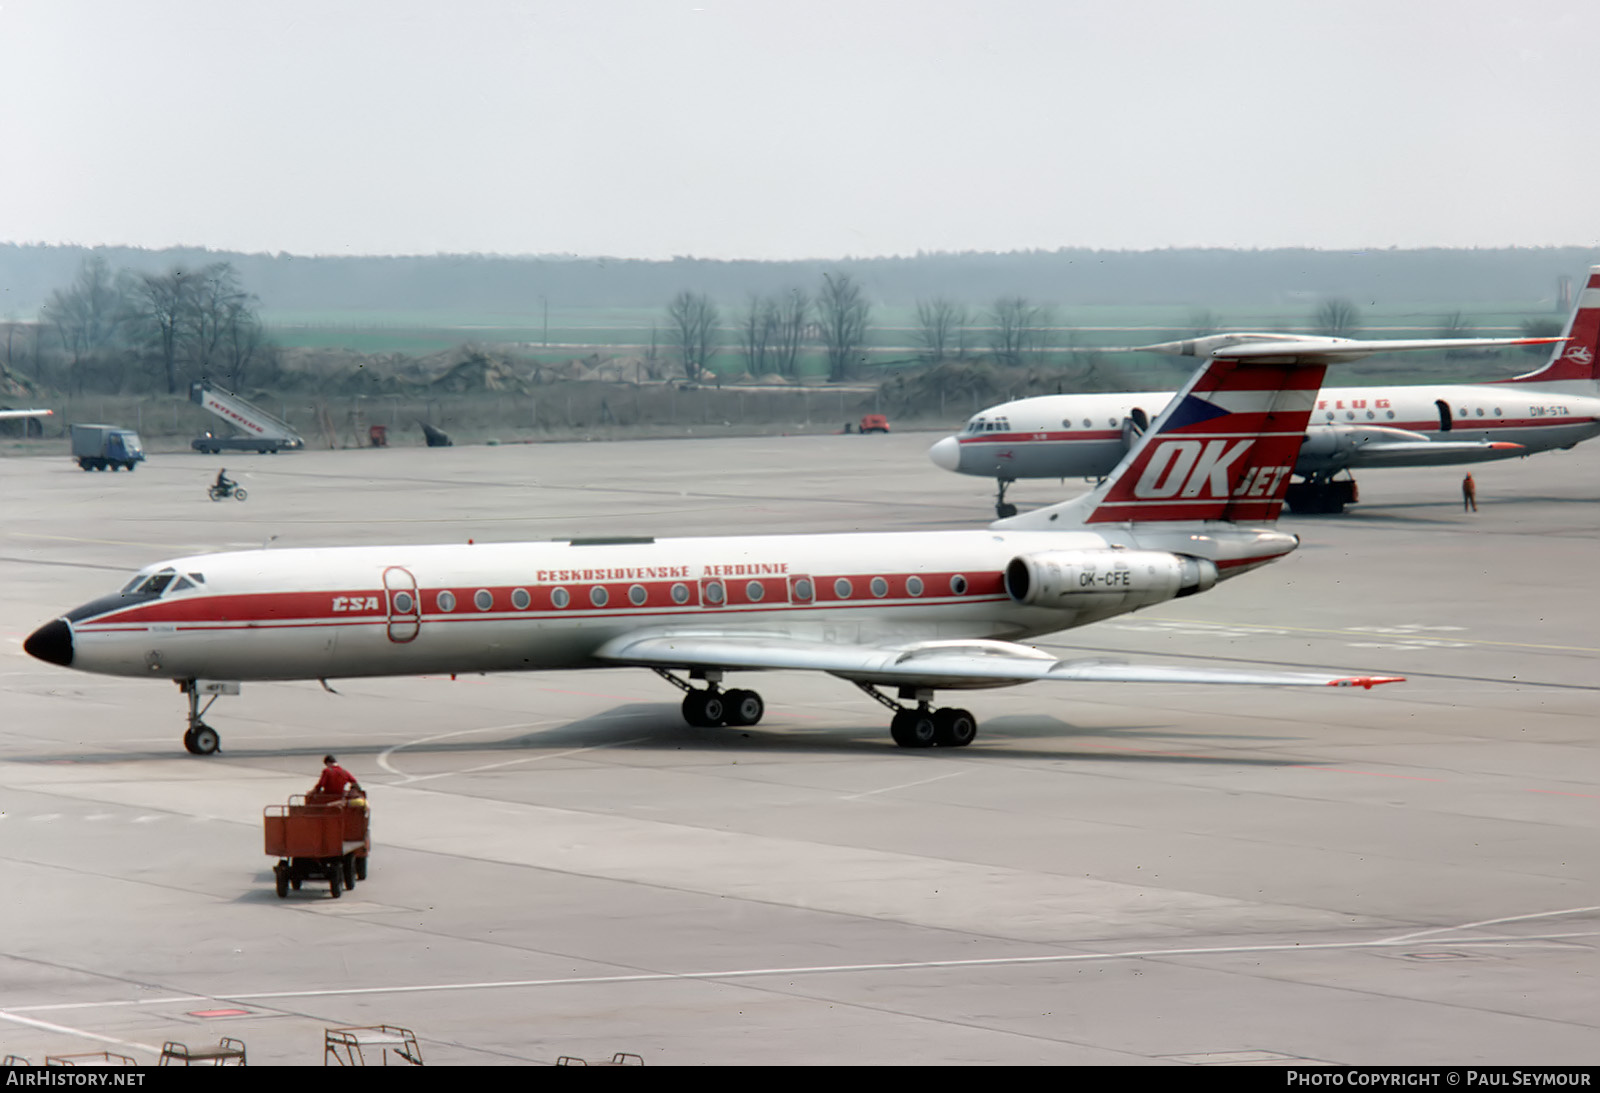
{"x": 1222, "y": 450}
{"x": 1577, "y": 358}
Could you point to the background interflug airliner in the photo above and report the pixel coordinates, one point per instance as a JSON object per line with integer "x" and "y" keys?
{"x": 916, "y": 612}
{"x": 1073, "y": 436}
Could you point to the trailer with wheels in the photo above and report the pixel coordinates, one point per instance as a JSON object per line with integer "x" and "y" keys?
{"x": 318, "y": 838}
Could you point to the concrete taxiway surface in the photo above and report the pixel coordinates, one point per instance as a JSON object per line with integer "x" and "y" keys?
{"x": 563, "y": 867}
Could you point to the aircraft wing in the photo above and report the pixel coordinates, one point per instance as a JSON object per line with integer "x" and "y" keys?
{"x": 1311, "y": 349}
{"x": 1339, "y": 446}
{"x": 1432, "y": 453}
{"x": 1336, "y": 350}
{"x": 956, "y": 664}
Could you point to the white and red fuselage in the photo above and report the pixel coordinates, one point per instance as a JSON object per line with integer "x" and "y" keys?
{"x": 405, "y": 610}
{"x": 1349, "y": 428}
{"x": 1083, "y": 436}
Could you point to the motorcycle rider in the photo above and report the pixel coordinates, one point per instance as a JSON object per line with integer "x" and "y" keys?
{"x": 224, "y": 483}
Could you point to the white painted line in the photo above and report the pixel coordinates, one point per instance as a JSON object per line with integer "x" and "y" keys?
{"x": 903, "y": 785}
{"x": 824, "y": 969}
{"x": 65, "y": 1030}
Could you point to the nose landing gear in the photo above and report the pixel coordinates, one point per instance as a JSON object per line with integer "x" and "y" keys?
{"x": 200, "y": 738}
{"x": 1002, "y": 508}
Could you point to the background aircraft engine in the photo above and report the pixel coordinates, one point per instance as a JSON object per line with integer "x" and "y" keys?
{"x": 1122, "y": 578}
{"x": 1331, "y": 447}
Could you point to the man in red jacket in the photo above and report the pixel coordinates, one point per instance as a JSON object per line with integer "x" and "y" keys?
{"x": 335, "y": 780}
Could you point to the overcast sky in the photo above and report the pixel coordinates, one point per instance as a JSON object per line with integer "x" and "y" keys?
{"x": 806, "y": 128}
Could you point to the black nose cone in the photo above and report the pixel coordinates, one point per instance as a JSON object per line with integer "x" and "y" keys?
{"x": 51, "y": 642}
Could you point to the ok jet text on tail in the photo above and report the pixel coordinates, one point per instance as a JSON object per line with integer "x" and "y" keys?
{"x": 1191, "y": 504}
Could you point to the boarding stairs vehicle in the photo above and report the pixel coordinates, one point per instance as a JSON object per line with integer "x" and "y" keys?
{"x": 261, "y": 431}
{"x": 318, "y": 837}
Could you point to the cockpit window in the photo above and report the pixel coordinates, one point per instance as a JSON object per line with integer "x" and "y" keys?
{"x": 152, "y": 585}
{"x": 180, "y": 584}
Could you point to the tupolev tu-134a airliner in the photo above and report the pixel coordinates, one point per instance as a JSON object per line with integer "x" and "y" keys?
{"x": 1350, "y": 429}
{"x": 1191, "y": 505}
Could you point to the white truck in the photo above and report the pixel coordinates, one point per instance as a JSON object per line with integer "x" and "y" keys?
{"x": 261, "y": 432}
{"x": 99, "y": 447}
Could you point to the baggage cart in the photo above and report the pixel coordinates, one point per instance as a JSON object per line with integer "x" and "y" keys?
{"x": 317, "y": 837}
{"x": 348, "y": 1046}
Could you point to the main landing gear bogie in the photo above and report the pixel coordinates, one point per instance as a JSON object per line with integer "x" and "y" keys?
{"x": 923, "y": 727}
{"x": 708, "y": 707}
{"x": 919, "y": 726}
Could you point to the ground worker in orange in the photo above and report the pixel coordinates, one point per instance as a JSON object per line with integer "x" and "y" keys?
{"x": 1469, "y": 494}
{"x": 335, "y": 781}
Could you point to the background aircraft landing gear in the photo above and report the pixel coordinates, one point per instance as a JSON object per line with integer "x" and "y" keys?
{"x": 1321, "y": 495}
{"x": 926, "y": 727}
{"x": 200, "y": 738}
{"x": 1002, "y": 508}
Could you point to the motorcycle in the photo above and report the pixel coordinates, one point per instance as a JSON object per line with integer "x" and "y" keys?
{"x": 232, "y": 489}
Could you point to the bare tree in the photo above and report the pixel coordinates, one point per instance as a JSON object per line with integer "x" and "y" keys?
{"x": 794, "y": 311}
{"x": 1337, "y": 318}
{"x": 162, "y": 304}
{"x": 758, "y": 331}
{"x": 694, "y": 331}
{"x": 941, "y": 328}
{"x": 842, "y": 312}
{"x": 217, "y": 306}
{"x": 1016, "y": 329}
{"x": 87, "y": 317}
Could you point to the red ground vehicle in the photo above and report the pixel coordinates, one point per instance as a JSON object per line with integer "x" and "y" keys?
{"x": 318, "y": 837}
{"x": 874, "y": 423}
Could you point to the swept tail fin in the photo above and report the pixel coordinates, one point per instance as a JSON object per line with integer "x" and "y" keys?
{"x": 1578, "y": 357}
{"x": 1223, "y": 449}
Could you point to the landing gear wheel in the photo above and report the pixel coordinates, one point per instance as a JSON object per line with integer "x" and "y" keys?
{"x": 1002, "y": 508}
{"x": 704, "y": 708}
{"x": 913, "y": 728}
{"x": 202, "y": 740}
{"x": 744, "y": 707}
{"x": 953, "y": 728}
{"x": 280, "y": 876}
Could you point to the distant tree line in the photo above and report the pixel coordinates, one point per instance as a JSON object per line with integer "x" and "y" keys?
{"x": 141, "y": 331}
